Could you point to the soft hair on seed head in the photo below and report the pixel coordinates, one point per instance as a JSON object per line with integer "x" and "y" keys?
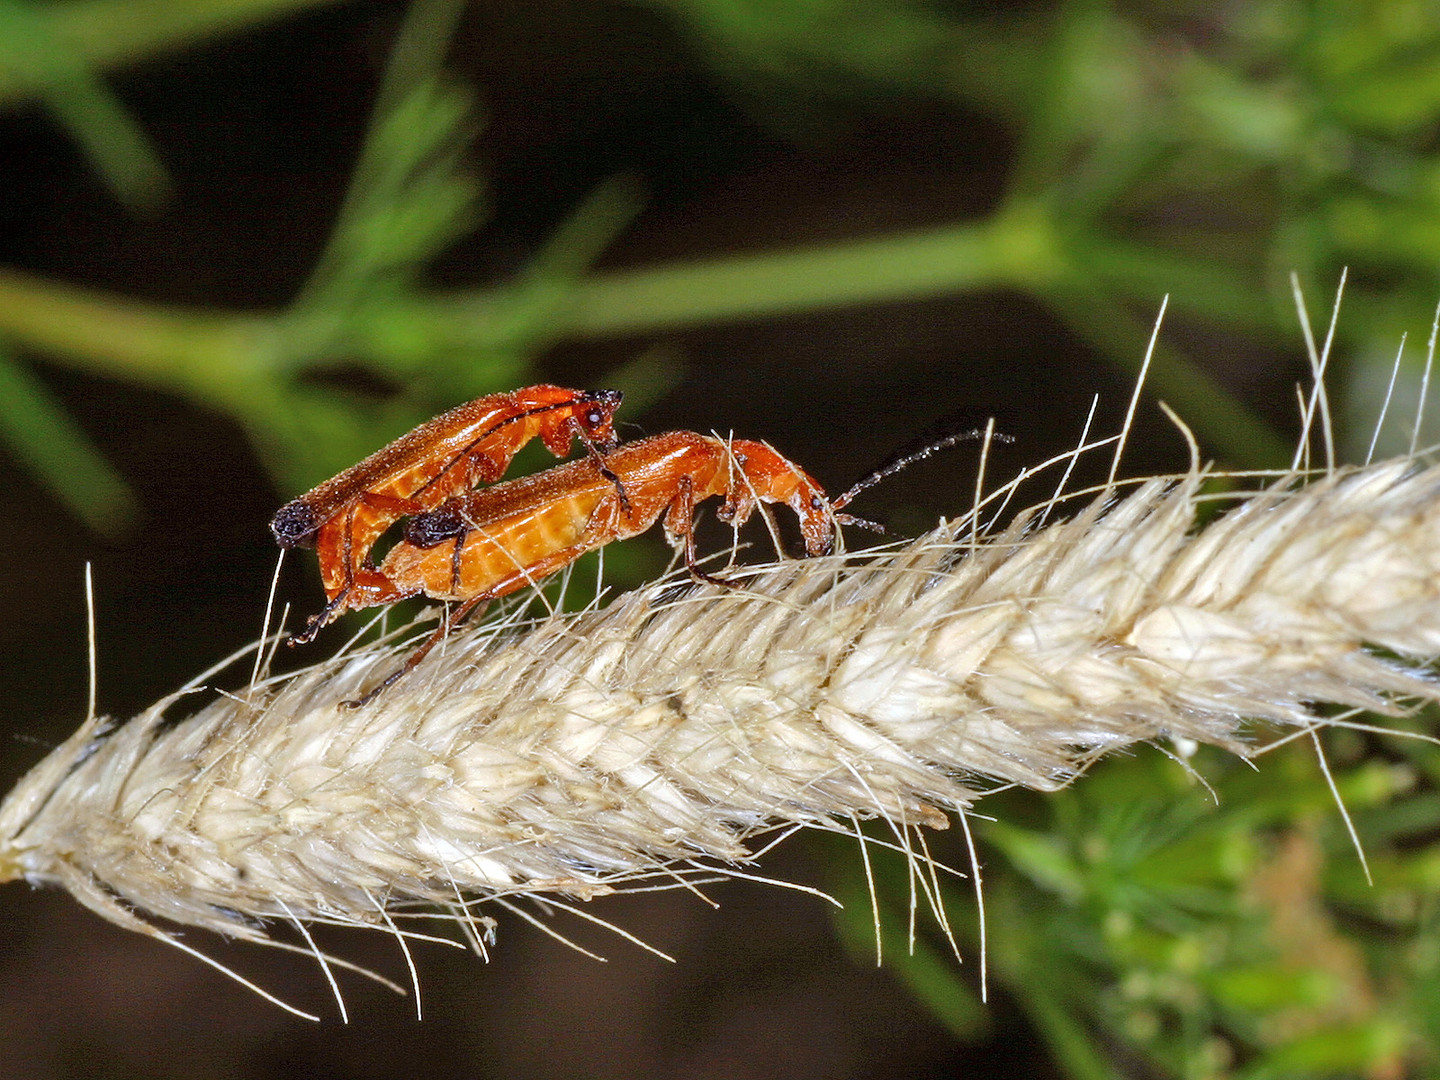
{"x": 662, "y": 733}
{"x": 654, "y": 740}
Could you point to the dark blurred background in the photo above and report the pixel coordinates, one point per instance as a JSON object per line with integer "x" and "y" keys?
{"x": 243, "y": 244}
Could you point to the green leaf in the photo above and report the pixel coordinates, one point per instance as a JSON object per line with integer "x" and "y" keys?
{"x": 43, "y": 436}
{"x": 114, "y": 142}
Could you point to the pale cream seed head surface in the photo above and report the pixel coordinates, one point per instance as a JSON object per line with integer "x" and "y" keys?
{"x": 646, "y": 741}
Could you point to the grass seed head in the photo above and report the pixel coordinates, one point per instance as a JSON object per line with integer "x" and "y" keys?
{"x": 657, "y": 737}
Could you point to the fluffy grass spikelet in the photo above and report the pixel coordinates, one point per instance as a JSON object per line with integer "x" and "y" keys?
{"x": 652, "y": 740}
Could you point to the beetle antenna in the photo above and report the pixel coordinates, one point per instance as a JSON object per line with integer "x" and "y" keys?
{"x": 862, "y": 523}
{"x": 904, "y": 461}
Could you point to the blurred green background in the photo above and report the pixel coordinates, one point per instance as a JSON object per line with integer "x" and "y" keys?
{"x": 245, "y": 242}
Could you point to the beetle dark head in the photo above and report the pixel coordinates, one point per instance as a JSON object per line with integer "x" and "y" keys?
{"x": 295, "y": 525}
{"x": 610, "y": 398}
{"x": 437, "y": 526}
{"x": 596, "y": 417}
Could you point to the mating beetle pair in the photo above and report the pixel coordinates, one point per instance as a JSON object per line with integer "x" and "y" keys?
{"x": 477, "y": 545}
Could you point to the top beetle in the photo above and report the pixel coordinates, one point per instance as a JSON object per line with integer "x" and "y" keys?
{"x": 469, "y": 445}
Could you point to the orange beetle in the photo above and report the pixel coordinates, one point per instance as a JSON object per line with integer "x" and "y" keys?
{"x": 495, "y": 541}
{"x": 468, "y": 445}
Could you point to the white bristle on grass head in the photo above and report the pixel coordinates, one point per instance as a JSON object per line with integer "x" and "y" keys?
{"x": 660, "y": 735}
{"x": 649, "y": 744}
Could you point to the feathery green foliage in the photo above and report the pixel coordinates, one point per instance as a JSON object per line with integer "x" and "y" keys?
{"x": 1205, "y": 153}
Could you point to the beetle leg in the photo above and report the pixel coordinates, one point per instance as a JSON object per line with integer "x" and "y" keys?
{"x": 680, "y": 521}
{"x": 390, "y": 504}
{"x": 522, "y": 576}
{"x": 368, "y": 589}
{"x": 348, "y": 548}
{"x": 598, "y": 459}
{"x": 455, "y": 563}
{"x": 393, "y": 506}
{"x": 413, "y": 660}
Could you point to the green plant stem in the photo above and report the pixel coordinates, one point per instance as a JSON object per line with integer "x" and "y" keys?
{"x": 193, "y": 351}
{"x": 112, "y": 33}
{"x": 209, "y": 353}
{"x": 115, "y": 143}
{"x": 42, "y": 434}
{"x": 948, "y": 260}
